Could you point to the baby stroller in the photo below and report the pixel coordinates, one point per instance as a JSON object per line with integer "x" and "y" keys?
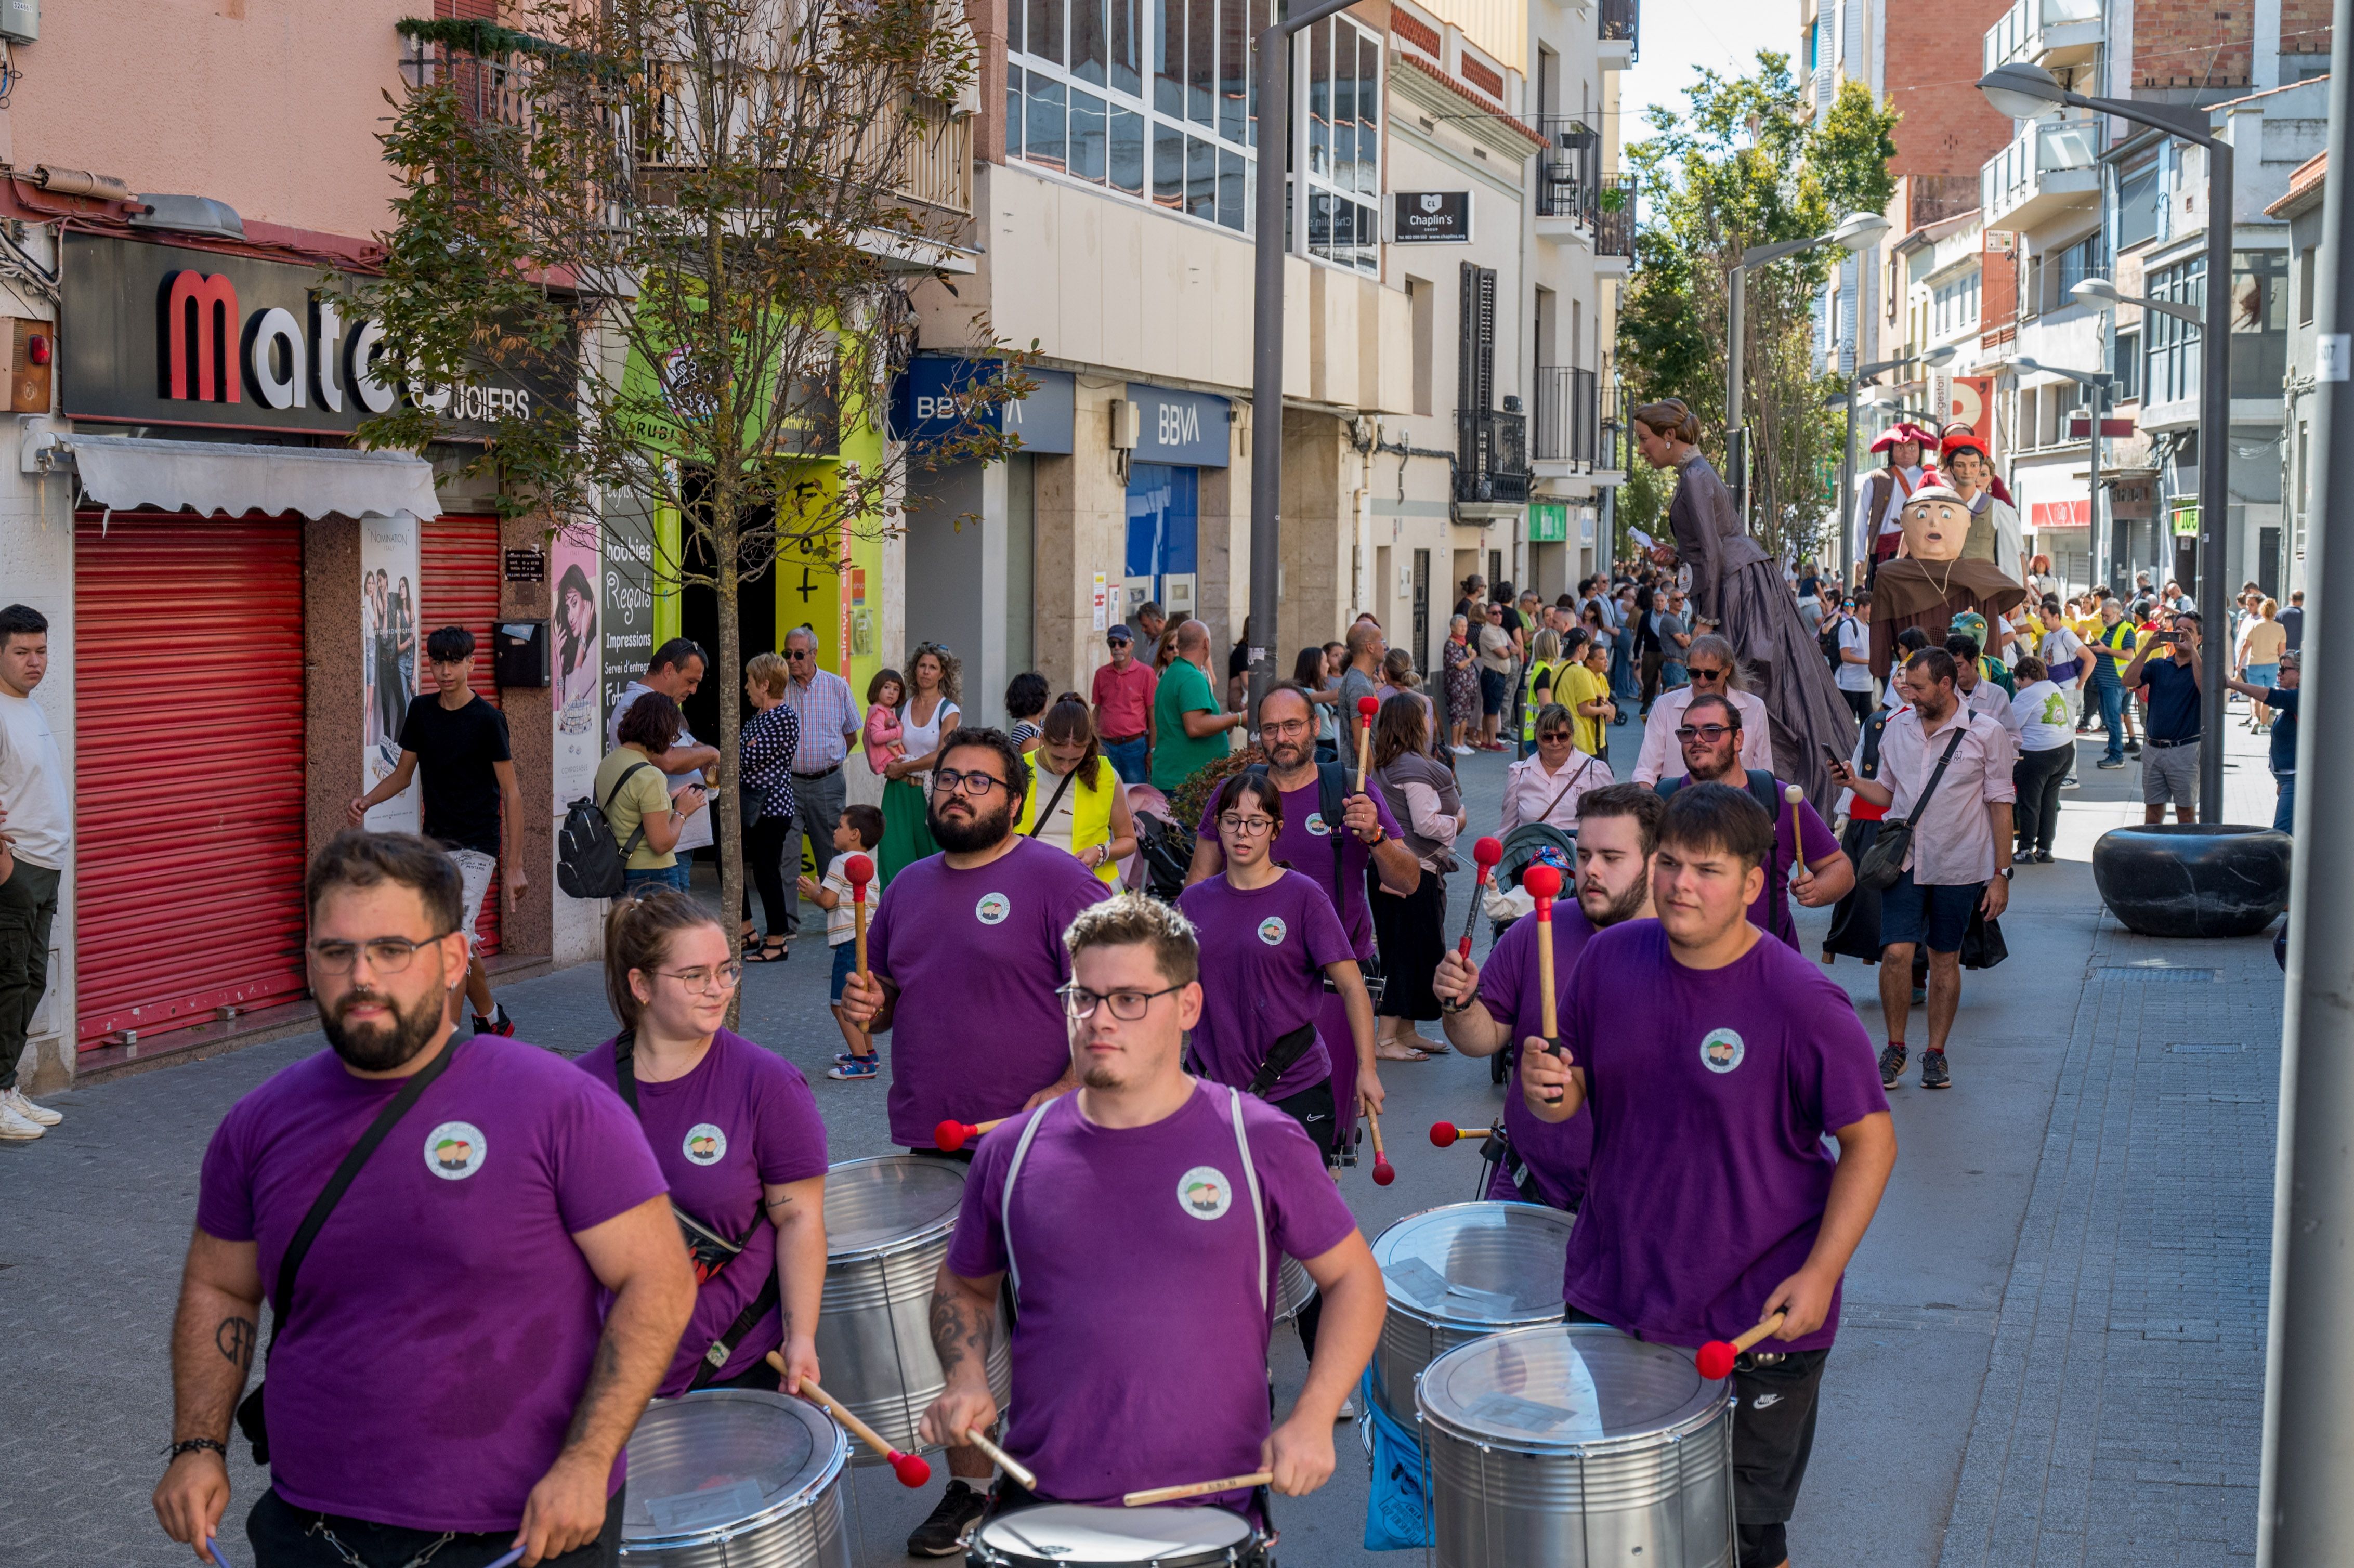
{"x": 1531, "y": 843}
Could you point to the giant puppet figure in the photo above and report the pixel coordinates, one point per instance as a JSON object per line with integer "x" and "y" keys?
{"x": 1878, "y": 511}
{"x": 1736, "y": 586}
{"x": 1933, "y": 582}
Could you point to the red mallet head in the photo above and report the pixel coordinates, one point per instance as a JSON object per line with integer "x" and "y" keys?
{"x": 1715, "y": 1359}
{"x": 1444, "y": 1134}
{"x": 860, "y": 870}
{"x": 1544, "y": 884}
{"x": 1384, "y": 1171}
{"x": 1369, "y": 708}
{"x": 911, "y": 1469}
{"x": 950, "y": 1135}
{"x": 1488, "y": 852}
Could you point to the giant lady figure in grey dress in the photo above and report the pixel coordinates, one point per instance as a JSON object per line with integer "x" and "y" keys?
{"x": 1736, "y": 585}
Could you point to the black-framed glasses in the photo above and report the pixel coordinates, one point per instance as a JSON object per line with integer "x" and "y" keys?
{"x": 1251, "y": 827}
{"x": 949, "y": 781}
{"x": 1711, "y": 733}
{"x": 1127, "y": 1006}
{"x": 386, "y": 955}
{"x": 1552, "y": 734}
{"x": 798, "y": 654}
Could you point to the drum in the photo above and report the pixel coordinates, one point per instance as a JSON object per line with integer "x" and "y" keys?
{"x": 1456, "y": 1273}
{"x": 734, "y": 1478}
{"x": 888, "y": 1221}
{"x": 1062, "y": 1535}
{"x": 1578, "y": 1447}
{"x": 1293, "y": 1290}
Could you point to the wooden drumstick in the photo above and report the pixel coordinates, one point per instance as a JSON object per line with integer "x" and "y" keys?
{"x": 1005, "y": 1461}
{"x": 1384, "y": 1171}
{"x": 1196, "y": 1489}
{"x": 1446, "y": 1134}
{"x": 1366, "y": 708}
{"x": 1544, "y": 884}
{"x": 1793, "y": 794}
{"x": 860, "y": 870}
{"x": 950, "y": 1135}
{"x": 1487, "y": 852}
{"x": 911, "y": 1469}
{"x": 1716, "y": 1357}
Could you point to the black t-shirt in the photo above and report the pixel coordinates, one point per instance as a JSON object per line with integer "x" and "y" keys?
{"x": 2173, "y": 700}
{"x": 1238, "y": 661}
{"x": 454, "y": 754}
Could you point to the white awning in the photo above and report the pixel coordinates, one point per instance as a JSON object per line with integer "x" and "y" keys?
{"x": 120, "y": 472}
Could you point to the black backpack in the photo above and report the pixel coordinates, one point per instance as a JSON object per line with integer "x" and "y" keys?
{"x": 590, "y": 863}
{"x": 1828, "y": 641}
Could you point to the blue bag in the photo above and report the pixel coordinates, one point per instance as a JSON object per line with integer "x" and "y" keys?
{"x": 1397, "y": 1505}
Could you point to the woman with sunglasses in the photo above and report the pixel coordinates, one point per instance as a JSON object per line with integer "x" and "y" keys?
{"x": 739, "y": 1137}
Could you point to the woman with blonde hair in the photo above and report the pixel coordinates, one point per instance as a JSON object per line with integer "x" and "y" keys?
{"x": 2258, "y": 656}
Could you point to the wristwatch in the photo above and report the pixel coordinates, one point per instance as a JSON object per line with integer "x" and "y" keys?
{"x": 2003, "y": 871}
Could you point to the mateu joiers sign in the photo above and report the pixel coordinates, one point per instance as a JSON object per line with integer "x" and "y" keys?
{"x": 159, "y": 334}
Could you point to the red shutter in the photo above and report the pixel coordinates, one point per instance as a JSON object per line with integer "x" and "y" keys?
{"x": 458, "y": 586}
{"x": 189, "y": 767}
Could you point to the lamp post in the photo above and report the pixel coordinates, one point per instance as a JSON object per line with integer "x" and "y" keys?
{"x": 1856, "y": 233}
{"x": 2097, "y": 383}
{"x": 1267, "y": 331}
{"x": 2027, "y": 92}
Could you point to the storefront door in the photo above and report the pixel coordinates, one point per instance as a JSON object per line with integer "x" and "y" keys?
{"x": 1163, "y": 514}
{"x": 458, "y": 584}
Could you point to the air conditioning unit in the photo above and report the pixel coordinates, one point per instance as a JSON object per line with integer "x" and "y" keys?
{"x": 1127, "y": 423}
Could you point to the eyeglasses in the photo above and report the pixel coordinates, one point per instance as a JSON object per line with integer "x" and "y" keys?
{"x": 704, "y": 982}
{"x": 798, "y": 654}
{"x": 1703, "y": 672}
{"x": 1553, "y": 735}
{"x": 1711, "y": 733}
{"x": 949, "y": 781}
{"x": 1286, "y": 728}
{"x": 1252, "y": 827}
{"x": 1127, "y": 1006}
{"x": 386, "y": 955}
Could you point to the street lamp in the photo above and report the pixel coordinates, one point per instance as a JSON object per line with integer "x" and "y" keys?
{"x": 2097, "y": 383}
{"x": 1935, "y": 359}
{"x": 2027, "y": 92}
{"x": 1855, "y": 233}
{"x": 2100, "y": 291}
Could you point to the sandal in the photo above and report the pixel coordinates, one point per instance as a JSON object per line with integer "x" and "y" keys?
{"x": 772, "y": 951}
{"x": 1389, "y": 1051}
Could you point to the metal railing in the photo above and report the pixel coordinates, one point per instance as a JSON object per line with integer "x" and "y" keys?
{"x": 1614, "y": 217}
{"x": 1621, "y": 22}
{"x": 1491, "y": 456}
{"x": 937, "y": 152}
{"x": 2050, "y": 147}
{"x": 2017, "y": 33}
{"x": 1568, "y": 415}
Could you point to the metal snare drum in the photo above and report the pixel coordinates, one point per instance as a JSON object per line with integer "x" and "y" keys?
{"x": 1576, "y": 1446}
{"x": 1293, "y": 1290}
{"x": 1460, "y": 1272}
{"x": 888, "y": 1222}
{"x": 1064, "y": 1535}
{"x": 735, "y": 1478}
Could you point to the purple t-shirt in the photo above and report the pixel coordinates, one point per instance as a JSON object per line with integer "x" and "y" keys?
{"x": 1305, "y": 844}
{"x": 977, "y": 955}
{"x": 1556, "y": 1152}
{"x": 1711, "y": 1091}
{"x": 1265, "y": 952}
{"x": 1770, "y": 913}
{"x": 443, "y": 1315}
{"x": 1139, "y": 1340}
{"x": 743, "y": 1117}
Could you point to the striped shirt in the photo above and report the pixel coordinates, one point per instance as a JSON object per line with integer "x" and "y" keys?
{"x": 828, "y": 721}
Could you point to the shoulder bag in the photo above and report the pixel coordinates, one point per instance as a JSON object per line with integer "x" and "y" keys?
{"x": 1883, "y": 866}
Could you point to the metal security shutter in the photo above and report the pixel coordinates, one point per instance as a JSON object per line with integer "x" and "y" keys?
{"x": 189, "y": 760}
{"x": 458, "y": 586}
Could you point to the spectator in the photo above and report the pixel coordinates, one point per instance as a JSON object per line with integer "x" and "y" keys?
{"x": 1675, "y": 640}
{"x": 2292, "y": 621}
{"x": 1978, "y": 692}
{"x": 1085, "y": 809}
{"x": 2068, "y": 661}
{"x": 1546, "y": 787}
{"x": 765, "y": 777}
{"x": 1498, "y": 658}
{"x": 1410, "y": 928}
{"x": 2047, "y": 744}
{"x": 35, "y": 846}
{"x": 2169, "y": 769}
{"x": 644, "y": 811}
{"x": 1398, "y": 676}
{"x": 2283, "y": 701}
{"x": 825, "y": 715}
{"x": 2262, "y": 641}
{"x": 1164, "y": 650}
{"x": 1025, "y": 703}
{"x": 932, "y": 713}
{"x": 460, "y": 743}
{"x": 1584, "y": 692}
{"x": 2113, "y": 648}
{"x": 1189, "y": 729}
{"x": 1361, "y": 671}
{"x": 1624, "y": 687}
{"x": 857, "y": 830}
{"x": 1150, "y": 621}
{"x": 1461, "y": 667}
{"x": 1513, "y": 627}
{"x": 1474, "y": 597}
{"x": 1122, "y": 690}
{"x": 677, "y": 671}
{"x": 1714, "y": 673}
{"x": 1313, "y": 673}
{"x": 1851, "y": 629}
{"x": 1650, "y": 652}
{"x": 1239, "y": 670}
{"x": 885, "y": 740}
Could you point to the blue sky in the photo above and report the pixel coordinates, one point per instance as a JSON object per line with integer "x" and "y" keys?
{"x": 1679, "y": 35}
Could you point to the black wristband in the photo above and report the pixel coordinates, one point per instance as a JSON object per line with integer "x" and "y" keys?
{"x": 191, "y": 1446}
{"x": 1463, "y": 1006}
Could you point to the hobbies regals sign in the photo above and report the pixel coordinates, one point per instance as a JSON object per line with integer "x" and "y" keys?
{"x": 1430, "y": 217}
{"x": 159, "y": 334}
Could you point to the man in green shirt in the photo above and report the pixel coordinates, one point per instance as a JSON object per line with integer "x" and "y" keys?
{"x": 1190, "y": 730}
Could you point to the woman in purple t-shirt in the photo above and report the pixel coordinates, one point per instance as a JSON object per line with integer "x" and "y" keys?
{"x": 736, "y": 1133}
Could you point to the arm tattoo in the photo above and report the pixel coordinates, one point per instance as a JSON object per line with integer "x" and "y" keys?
{"x": 234, "y": 1336}
{"x": 957, "y": 1331}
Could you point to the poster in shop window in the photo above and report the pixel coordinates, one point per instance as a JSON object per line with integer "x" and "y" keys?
{"x": 388, "y": 658}
{"x": 578, "y": 694}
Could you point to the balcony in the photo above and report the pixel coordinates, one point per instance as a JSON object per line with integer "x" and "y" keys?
{"x": 2050, "y": 168}
{"x": 1618, "y": 28}
{"x": 2051, "y": 33}
{"x": 1492, "y": 462}
{"x": 1575, "y": 200}
{"x": 1568, "y": 417}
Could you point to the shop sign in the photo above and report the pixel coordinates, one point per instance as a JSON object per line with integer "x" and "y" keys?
{"x": 929, "y": 403}
{"x": 2185, "y": 519}
{"x": 1430, "y": 217}
{"x": 1548, "y": 523}
{"x": 160, "y": 334}
{"x": 1181, "y": 427}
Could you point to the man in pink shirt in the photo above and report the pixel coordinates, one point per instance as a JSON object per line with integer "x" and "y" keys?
{"x": 1713, "y": 668}
{"x": 1122, "y": 696}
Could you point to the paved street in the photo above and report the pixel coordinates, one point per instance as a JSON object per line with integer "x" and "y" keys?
{"x": 2052, "y": 1350}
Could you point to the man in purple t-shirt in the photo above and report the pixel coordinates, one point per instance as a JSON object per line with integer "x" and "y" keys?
{"x": 1710, "y": 734}
{"x": 1715, "y": 1063}
{"x": 1485, "y": 1010}
{"x": 1140, "y": 1224}
{"x": 478, "y": 1324}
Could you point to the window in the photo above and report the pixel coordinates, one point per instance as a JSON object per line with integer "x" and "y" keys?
{"x": 1422, "y": 300}
{"x": 2137, "y": 204}
{"x": 2259, "y": 322}
{"x": 2174, "y": 358}
{"x": 2305, "y": 286}
{"x": 1154, "y": 99}
{"x": 1954, "y": 305}
{"x": 2125, "y": 363}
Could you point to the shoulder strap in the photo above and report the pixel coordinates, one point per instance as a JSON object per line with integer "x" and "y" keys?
{"x": 627, "y": 849}
{"x": 283, "y": 1303}
{"x": 625, "y": 1071}
{"x": 1938, "y": 773}
{"x": 1038, "y": 825}
{"x": 1331, "y": 789}
{"x": 1575, "y": 774}
{"x": 1250, "y": 1179}
{"x": 1765, "y": 792}
{"x": 1005, "y": 1200}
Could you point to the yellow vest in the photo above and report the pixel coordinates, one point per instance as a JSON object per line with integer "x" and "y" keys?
{"x": 1090, "y": 810}
{"x": 1529, "y": 699}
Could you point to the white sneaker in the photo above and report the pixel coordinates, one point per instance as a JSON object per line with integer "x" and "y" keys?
{"x": 15, "y": 1127}
{"x": 40, "y": 1115}
{"x": 1348, "y": 1412}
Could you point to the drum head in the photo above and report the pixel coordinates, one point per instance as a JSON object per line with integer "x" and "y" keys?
{"x": 708, "y": 1465}
{"x": 1474, "y": 1266}
{"x": 878, "y": 1205}
{"x": 1068, "y": 1536}
{"x": 1565, "y": 1386}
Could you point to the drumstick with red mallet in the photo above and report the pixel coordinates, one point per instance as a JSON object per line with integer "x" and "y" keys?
{"x": 912, "y": 1469}
{"x": 1384, "y": 1171}
{"x": 1542, "y": 884}
{"x": 1367, "y": 707}
{"x": 1448, "y": 1134}
{"x": 1716, "y": 1357}
{"x": 1487, "y": 851}
{"x": 951, "y": 1136}
{"x": 859, "y": 871}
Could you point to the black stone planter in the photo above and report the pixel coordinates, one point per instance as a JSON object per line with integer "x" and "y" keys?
{"x": 2193, "y": 879}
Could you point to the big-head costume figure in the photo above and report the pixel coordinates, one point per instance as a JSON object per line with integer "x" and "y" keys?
{"x": 1931, "y": 582}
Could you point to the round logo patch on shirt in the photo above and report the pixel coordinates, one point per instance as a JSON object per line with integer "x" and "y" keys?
{"x": 992, "y": 909}
{"x": 455, "y": 1151}
{"x": 706, "y": 1144}
{"x": 1272, "y": 930}
{"x": 1205, "y": 1192}
{"x": 1721, "y": 1050}
{"x": 1316, "y": 825}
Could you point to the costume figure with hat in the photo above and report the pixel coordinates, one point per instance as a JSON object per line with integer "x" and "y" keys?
{"x": 1737, "y": 586}
{"x": 1879, "y": 514}
{"x": 1932, "y": 582}
{"x": 1964, "y": 463}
